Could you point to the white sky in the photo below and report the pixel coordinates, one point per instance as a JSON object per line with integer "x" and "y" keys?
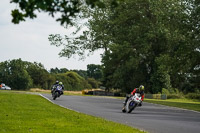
{"x": 29, "y": 41}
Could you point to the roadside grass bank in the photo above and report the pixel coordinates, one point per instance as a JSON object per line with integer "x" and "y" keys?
{"x": 180, "y": 103}
{"x": 79, "y": 93}
{"x": 32, "y": 113}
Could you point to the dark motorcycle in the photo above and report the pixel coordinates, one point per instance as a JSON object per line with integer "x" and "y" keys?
{"x": 57, "y": 91}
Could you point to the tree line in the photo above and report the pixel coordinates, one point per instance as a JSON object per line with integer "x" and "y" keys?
{"x": 23, "y": 75}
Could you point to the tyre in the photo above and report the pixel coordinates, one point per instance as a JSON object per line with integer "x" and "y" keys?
{"x": 55, "y": 95}
{"x": 130, "y": 106}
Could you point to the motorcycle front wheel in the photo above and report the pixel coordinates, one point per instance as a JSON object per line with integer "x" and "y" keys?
{"x": 55, "y": 95}
{"x": 130, "y": 106}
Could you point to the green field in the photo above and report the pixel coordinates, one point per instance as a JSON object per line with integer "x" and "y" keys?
{"x": 180, "y": 103}
{"x": 22, "y": 113}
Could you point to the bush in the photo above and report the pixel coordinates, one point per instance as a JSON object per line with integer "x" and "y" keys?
{"x": 165, "y": 91}
{"x": 72, "y": 81}
{"x": 92, "y": 82}
{"x": 193, "y": 96}
{"x": 174, "y": 96}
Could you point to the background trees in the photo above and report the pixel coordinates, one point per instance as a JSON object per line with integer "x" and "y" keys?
{"x": 23, "y": 75}
{"x": 154, "y": 43}
{"x": 72, "y": 81}
{"x": 40, "y": 76}
{"x": 94, "y": 71}
{"x": 156, "y": 39}
{"x": 14, "y": 74}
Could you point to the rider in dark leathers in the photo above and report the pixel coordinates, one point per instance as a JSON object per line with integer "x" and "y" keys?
{"x": 54, "y": 86}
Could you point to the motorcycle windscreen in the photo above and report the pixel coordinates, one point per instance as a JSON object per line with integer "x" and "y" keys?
{"x": 59, "y": 88}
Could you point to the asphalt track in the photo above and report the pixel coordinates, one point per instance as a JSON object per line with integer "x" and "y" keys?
{"x": 150, "y": 117}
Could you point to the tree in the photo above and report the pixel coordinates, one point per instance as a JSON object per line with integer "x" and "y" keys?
{"x": 92, "y": 82}
{"x": 94, "y": 71}
{"x": 41, "y": 78}
{"x": 146, "y": 42}
{"x": 14, "y": 74}
{"x": 57, "y": 70}
{"x": 156, "y": 36}
{"x": 82, "y": 73}
{"x": 68, "y": 9}
{"x": 72, "y": 81}
{"x": 95, "y": 38}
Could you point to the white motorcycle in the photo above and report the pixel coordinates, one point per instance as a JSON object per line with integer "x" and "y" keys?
{"x": 132, "y": 103}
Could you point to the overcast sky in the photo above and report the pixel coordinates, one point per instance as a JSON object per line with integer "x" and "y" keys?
{"x": 29, "y": 41}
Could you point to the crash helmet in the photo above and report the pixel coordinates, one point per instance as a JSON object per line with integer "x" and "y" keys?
{"x": 141, "y": 88}
{"x": 60, "y": 83}
{"x": 57, "y": 81}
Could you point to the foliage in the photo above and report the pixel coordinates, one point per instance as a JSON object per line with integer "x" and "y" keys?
{"x": 41, "y": 78}
{"x": 174, "y": 96}
{"x": 72, "y": 81}
{"x": 170, "y": 91}
{"x": 82, "y": 73}
{"x": 23, "y": 75}
{"x": 92, "y": 82}
{"x": 90, "y": 40}
{"x": 193, "y": 96}
{"x": 154, "y": 43}
{"x": 14, "y": 74}
{"x": 94, "y": 71}
{"x": 165, "y": 91}
{"x": 68, "y": 9}
{"x": 57, "y": 70}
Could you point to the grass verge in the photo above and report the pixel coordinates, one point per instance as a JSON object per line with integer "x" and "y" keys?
{"x": 32, "y": 113}
{"x": 79, "y": 93}
{"x": 180, "y": 103}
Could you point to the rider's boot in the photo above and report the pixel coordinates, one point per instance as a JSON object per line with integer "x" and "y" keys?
{"x": 123, "y": 109}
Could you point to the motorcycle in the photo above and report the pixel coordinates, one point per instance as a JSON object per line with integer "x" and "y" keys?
{"x": 132, "y": 103}
{"x": 57, "y": 91}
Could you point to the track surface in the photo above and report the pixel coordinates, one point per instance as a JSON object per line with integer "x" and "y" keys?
{"x": 150, "y": 117}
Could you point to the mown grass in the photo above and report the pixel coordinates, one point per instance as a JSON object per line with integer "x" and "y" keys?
{"x": 180, "y": 103}
{"x": 22, "y": 113}
{"x": 37, "y": 90}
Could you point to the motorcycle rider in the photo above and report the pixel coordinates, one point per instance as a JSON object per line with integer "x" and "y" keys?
{"x": 61, "y": 84}
{"x": 54, "y": 85}
{"x": 139, "y": 90}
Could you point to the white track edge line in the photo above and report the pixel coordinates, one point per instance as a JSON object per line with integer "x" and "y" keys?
{"x": 58, "y": 104}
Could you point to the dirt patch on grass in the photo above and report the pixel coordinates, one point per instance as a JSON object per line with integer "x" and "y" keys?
{"x": 73, "y": 92}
